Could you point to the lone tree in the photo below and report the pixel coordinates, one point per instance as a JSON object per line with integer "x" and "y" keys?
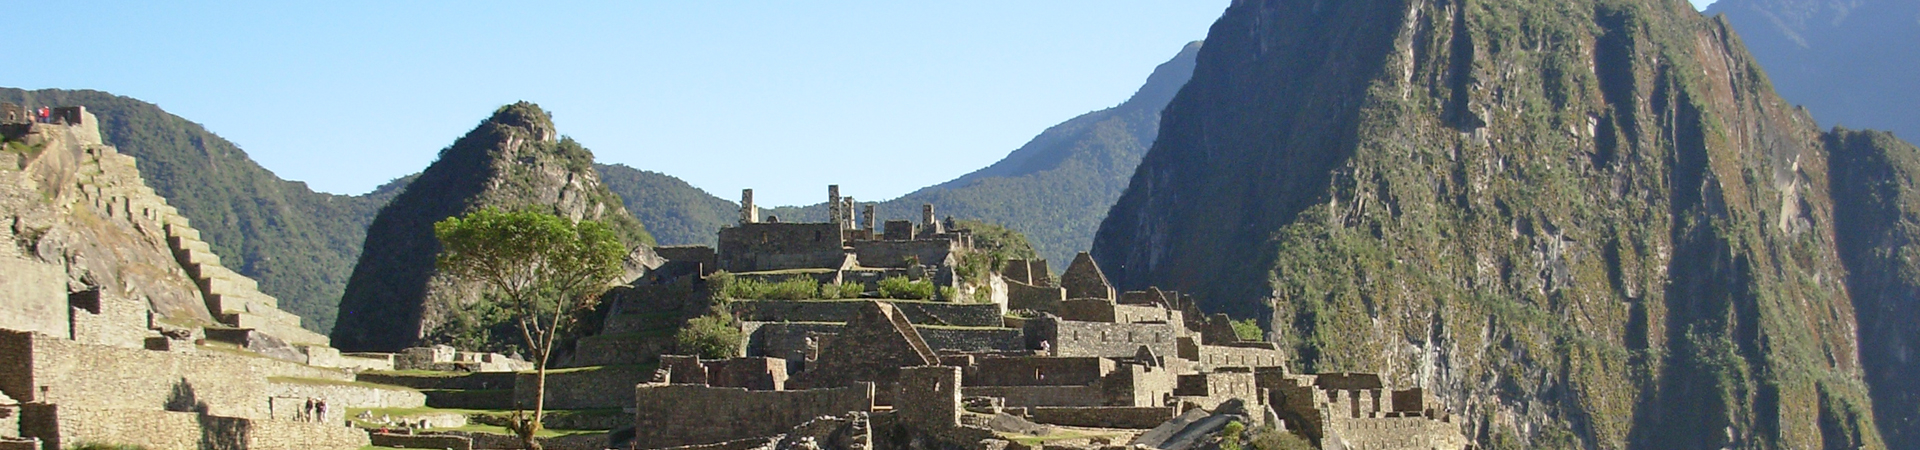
{"x": 541, "y": 269}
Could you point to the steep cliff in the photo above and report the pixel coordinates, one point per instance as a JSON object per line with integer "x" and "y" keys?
{"x": 514, "y": 159}
{"x": 1876, "y": 204}
{"x": 1851, "y": 62}
{"x": 1585, "y": 224}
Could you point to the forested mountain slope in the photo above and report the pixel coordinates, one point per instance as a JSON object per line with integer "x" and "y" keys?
{"x": 1584, "y": 224}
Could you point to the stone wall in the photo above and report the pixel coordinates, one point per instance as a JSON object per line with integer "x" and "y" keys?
{"x": 1396, "y": 432}
{"x": 168, "y": 430}
{"x": 465, "y": 381}
{"x": 83, "y": 376}
{"x": 920, "y": 313}
{"x": 33, "y": 295}
{"x": 1037, "y": 298}
{"x": 783, "y": 340}
{"x": 1031, "y": 396}
{"x": 1038, "y": 371}
{"x": 1138, "y": 418}
{"x": 1209, "y": 356}
{"x": 929, "y": 397}
{"x": 342, "y": 395}
{"x": 973, "y": 340}
{"x": 676, "y": 415}
{"x": 107, "y": 319}
{"x": 898, "y": 254}
{"x": 617, "y": 349}
{"x": 1213, "y": 388}
{"x": 584, "y": 388}
{"x": 1113, "y": 340}
{"x": 436, "y": 441}
{"x": 286, "y": 435}
{"x": 752, "y": 247}
{"x": 788, "y": 340}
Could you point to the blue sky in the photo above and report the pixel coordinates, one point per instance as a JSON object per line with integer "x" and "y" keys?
{"x": 784, "y": 97}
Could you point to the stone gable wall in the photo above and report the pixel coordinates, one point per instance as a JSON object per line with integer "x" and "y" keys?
{"x": 676, "y": 415}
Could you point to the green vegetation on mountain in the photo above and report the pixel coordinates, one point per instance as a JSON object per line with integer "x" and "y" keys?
{"x": 1876, "y": 209}
{"x": 299, "y": 244}
{"x": 1851, "y": 62}
{"x": 676, "y": 212}
{"x": 514, "y": 160}
{"x": 1584, "y": 224}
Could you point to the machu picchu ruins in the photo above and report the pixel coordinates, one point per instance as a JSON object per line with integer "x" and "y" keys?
{"x": 900, "y": 339}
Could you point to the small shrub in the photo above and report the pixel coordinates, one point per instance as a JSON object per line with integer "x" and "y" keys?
{"x": 711, "y": 336}
{"x": 1272, "y": 439}
{"x": 720, "y": 284}
{"x": 1230, "y": 435}
{"x": 796, "y": 288}
{"x": 1248, "y": 330}
{"x": 902, "y": 288}
{"x": 842, "y": 290}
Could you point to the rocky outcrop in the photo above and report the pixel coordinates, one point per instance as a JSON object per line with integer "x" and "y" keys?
{"x": 514, "y": 159}
{"x": 1583, "y": 223}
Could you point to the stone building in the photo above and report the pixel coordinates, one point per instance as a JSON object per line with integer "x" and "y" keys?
{"x": 842, "y": 249}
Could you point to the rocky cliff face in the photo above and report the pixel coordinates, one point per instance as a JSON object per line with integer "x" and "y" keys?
{"x": 1586, "y": 224}
{"x": 514, "y": 159}
{"x": 1876, "y": 201}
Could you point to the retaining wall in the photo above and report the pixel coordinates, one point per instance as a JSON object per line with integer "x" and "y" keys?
{"x": 675, "y": 415}
{"x": 1138, "y": 418}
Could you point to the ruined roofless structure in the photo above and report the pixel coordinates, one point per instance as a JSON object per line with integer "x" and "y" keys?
{"x": 842, "y": 249}
{"x": 1070, "y": 352}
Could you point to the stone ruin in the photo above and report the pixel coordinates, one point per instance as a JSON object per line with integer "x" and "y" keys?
{"x": 121, "y": 326}
{"x": 841, "y": 250}
{"x": 1067, "y": 352}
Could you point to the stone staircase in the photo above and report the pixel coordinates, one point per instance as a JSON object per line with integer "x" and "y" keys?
{"x": 905, "y": 328}
{"x": 234, "y": 299}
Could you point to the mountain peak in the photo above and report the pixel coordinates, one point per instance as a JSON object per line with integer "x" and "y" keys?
{"x": 511, "y": 161}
